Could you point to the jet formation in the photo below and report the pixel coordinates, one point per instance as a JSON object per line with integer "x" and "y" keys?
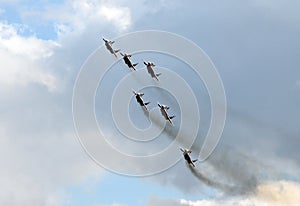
{"x": 150, "y": 69}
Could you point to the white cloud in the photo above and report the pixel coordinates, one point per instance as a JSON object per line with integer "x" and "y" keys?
{"x": 113, "y": 204}
{"x": 95, "y": 11}
{"x": 41, "y": 154}
{"x": 157, "y": 201}
{"x": 23, "y": 59}
{"x": 36, "y": 168}
{"x": 77, "y": 16}
{"x": 120, "y": 17}
{"x": 278, "y": 193}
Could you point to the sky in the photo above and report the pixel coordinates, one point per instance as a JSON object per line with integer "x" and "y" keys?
{"x": 255, "y": 48}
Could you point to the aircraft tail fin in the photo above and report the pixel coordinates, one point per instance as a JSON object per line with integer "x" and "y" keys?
{"x": 172, "y": 117}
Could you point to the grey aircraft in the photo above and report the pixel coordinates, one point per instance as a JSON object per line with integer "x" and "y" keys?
{"x": 108, "y": 45}
{"x": 163, "y": 110}
{"x": 150, "y": 67}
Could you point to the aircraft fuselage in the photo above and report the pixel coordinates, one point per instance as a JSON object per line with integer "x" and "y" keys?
{"x": 139, "y": 100}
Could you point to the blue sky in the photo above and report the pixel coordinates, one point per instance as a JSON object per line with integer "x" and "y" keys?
{"x": 255, "y": 48}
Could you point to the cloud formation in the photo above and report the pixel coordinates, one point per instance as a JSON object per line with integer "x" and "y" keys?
{"x": 24, "y": 59}
{"x": 277, "y": 193}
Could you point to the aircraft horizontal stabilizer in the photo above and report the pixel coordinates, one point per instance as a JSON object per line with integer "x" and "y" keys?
{"x": 135, "y": 64}
{"x": 116, "y": 51}
{"x": 147, "y": 103}
{"x": 158, "y": 74}
{"x": 194, "y": 161}
{"x": 172, "y": 117}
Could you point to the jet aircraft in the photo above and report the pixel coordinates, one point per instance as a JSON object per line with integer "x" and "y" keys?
{"x": 108, "y": 45}
{"x": 163, "y": 109}
{"x": 139, "y": 99}
{"x": 186, "y": 154}
{"x": 126, "y": 58}
{"x": 150, "y": 66}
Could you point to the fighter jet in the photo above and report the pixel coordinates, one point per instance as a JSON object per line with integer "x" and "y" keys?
{"x": 187, "y": 156}
{"x": 139, "y": 99}
{"x": 150, "y": 66}
{"x": 163, "y": 109}
{"x": 128, "y": 62}
{"x": 108, "y": 45}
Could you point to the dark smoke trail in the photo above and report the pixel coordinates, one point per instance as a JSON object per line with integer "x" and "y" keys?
{"x": 211, "y": 183}
{"x": 236, "y": 173}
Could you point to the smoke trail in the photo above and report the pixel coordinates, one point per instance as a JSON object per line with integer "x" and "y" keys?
{"x": 228, "y": 165}
{"x": 171, "y": 133}
{"x": 237, "y": 173}
{"x": 210, "y": 182}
